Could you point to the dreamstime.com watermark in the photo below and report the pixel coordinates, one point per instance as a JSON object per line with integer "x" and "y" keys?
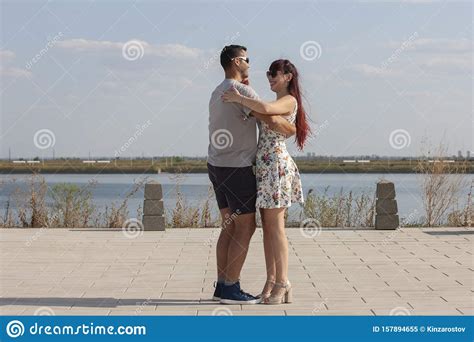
{"x": 16, "y": 328}
{"x": 228, "y": 41}
{"x": 50, "y": 44}
{"x": 138, "y": 132}
{"x": 396, "y": 54}
{"x": 320, "y": 307}
{"x": 229, "y": 219}
{"x": 139, "y": 309}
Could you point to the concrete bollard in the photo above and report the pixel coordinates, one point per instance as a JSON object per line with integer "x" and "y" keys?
{"x": 386, "y": 208}
{"x": 153, "y": 208}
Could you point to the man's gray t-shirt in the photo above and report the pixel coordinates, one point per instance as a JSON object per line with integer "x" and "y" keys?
{"x": 232, "y": 133}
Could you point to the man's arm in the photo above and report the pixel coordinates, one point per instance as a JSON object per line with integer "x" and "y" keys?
{"x": 277, "y": 123}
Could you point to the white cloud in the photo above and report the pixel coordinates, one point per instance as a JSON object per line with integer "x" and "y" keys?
{"x": 373, "y": 71}
{"x": 448, "y": 63}
{"x": 7, "y": 57}
{"x": 430, "y": 45}
{"x": 99, "y": 46}
{"x": 407, "y": 1}
{"x": 439, "y": 54}
{"x": 14, "y": 72}
{"x": 420, "y": 1}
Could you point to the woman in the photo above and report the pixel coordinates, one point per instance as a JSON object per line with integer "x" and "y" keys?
{"x": 278, "y": 179}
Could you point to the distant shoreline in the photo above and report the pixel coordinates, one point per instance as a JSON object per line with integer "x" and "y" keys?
{"x": 147, "y": 166}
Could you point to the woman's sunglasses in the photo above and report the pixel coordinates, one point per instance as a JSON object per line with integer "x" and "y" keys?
{"x": 246, "y": 59}
{"x": 272, "y": 73}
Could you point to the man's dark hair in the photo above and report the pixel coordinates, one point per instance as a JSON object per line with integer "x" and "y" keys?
{"x": 229, "y": 52}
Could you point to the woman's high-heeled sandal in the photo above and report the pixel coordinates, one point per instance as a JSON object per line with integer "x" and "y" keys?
{"x": 281, "y": 298}
{"x": 266, "y": 294}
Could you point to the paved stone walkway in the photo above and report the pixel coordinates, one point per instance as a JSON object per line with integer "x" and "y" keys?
{"x": 337, "y": 272}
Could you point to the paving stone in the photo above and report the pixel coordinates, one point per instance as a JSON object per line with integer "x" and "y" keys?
{"x": 340, "y": 272}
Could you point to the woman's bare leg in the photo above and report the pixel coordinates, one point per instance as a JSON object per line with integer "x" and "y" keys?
{"x": 269, "y": 255}
{"x": 276, "y": 237}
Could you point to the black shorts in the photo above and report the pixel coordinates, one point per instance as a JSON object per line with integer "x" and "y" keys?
{"x": 235, "y": 188}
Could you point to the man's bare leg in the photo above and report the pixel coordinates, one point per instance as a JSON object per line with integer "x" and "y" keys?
{"x": 239, "y": 244}
{"x": 225, "y": 237}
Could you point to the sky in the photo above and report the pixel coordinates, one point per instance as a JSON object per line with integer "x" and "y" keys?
{"x": 133, "y": 78}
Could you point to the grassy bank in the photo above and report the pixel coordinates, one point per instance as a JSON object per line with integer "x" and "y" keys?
{"x": 72, "y": 206}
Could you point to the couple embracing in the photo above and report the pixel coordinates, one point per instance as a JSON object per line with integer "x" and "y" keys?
{"x": 249, "y": 173}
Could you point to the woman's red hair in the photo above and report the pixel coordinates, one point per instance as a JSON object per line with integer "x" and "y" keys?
{"x": 301, "y": 123}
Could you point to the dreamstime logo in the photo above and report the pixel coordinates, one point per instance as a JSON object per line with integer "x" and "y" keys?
{"x": 310, "y": 228}
{"x": 400, "y": 311}
{"x": 222, "y": 312}
{"x": 15, "y": 328}
{"x": 132, "y": 228}
{"x": 399, "y": 139}
{"x": 222, "y": 138}
{"x": 133, "y": 50}
{"x": 44, "y": 311}
{"x": 310, "y": 50}
{"x": 44, "y": 138}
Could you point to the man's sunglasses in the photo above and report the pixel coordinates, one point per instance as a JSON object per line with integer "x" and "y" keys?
{"x": 246, "y": 59}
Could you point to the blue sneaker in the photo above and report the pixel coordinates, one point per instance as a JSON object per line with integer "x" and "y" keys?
{"x": 232, "y": 294}
{"x": 217, "y": 291}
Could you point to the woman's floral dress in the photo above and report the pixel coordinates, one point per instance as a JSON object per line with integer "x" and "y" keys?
{"x": 278, "y": 179}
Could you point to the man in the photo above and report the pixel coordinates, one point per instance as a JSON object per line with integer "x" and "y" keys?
{"x": 231, "y": 160}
